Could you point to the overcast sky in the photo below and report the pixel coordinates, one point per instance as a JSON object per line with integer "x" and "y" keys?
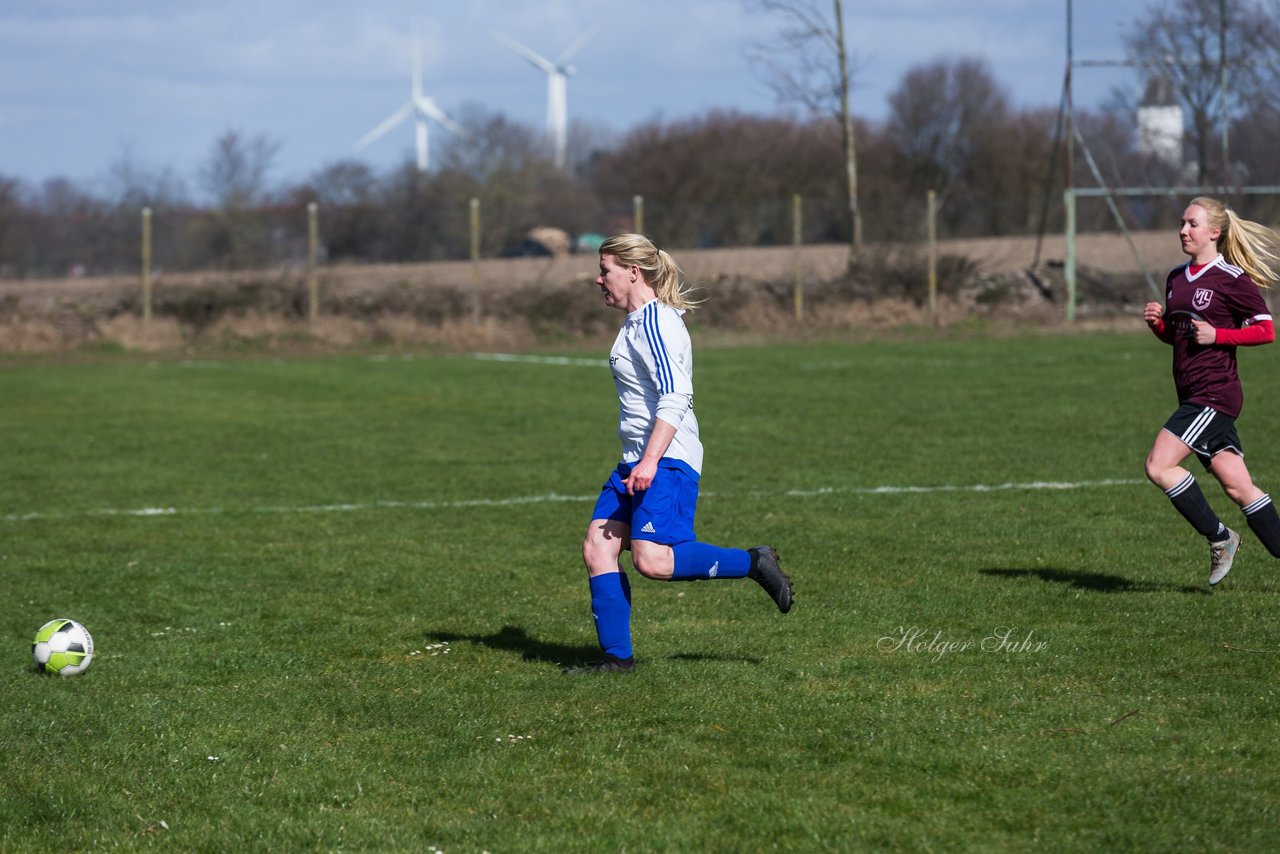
{"x": 83, "y": 82}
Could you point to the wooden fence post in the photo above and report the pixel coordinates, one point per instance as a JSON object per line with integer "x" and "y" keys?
{"x": 313, "y": 250}
{"x": 931, "y": 227}
{"x": 146, "y": 268}
{"x": 797, "y": 241}
{"x": 476, "y": 310}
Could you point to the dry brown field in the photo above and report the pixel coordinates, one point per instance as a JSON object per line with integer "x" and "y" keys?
{"x": 383, "y": 303}
{"x": 1109, "y": 252}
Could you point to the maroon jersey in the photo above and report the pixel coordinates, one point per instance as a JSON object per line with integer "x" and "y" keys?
{"x": 1226, "y": 298}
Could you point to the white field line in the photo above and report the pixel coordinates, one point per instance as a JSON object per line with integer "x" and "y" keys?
{"x": 977, "y": 487}
{"x": 539, "y": 360}
{"x": 409, "y": 357}
{"x": 554, "y": 498}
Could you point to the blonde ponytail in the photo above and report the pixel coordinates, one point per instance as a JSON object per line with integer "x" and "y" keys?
{"x": 1248, "y": 245}
{"x": 659, "y": 269}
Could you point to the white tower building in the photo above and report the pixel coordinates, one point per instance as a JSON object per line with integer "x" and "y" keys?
{"x": 1160, "y": 123}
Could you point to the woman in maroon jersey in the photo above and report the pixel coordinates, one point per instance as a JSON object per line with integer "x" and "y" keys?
{"x": 1212, "y": 305}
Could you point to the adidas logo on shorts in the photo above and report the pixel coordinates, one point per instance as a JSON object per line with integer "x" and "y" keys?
{"x": 648, "y": 528}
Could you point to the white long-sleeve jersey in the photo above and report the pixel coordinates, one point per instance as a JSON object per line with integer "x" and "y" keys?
{"x": 652, "y": 366}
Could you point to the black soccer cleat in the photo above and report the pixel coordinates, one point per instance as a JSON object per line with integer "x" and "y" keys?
{"x": 608, "y": 664}
{"x": 766, "y": 572}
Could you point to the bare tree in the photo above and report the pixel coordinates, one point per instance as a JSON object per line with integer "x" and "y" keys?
{"x": 235, "y": 177}
{"x": 1211, "y": 50}
{"x": 15, "y": 245}
{"x": 716, "y": 179}
{"x": 347, "y": 192}
{"x": 938, "y": 117}
{"x": 812, "y": 68}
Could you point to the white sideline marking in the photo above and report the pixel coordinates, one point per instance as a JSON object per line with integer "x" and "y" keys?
{"x": 538, "y": 360}
{"x": 555, "y": 498}
{"x": 977, "y": 487}
{"x": 409, "y": 357}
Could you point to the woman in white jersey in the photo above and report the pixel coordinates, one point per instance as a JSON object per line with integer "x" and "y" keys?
{"x": 1212, "y": 306}
{"x": 647, "y": 505}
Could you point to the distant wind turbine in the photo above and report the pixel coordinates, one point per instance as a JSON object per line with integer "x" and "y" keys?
{"x": 419, "y": 107}
{"x": 558, "y": 73}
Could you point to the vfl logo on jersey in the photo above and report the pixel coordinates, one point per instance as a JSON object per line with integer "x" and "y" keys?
{"x": 1200, "y": 301}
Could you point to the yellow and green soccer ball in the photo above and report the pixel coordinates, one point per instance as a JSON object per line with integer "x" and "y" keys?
{"x": 63, "y": 647}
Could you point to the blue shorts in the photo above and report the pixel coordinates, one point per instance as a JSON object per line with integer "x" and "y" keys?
{"x": 663, "y": 513}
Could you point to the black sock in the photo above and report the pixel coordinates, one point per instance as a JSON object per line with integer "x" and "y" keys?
{"x": 1191, "y": 503}
{"x": 1265, "y": 523}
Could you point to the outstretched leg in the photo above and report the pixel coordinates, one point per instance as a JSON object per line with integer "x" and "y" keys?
{"x": 692, "y": 561}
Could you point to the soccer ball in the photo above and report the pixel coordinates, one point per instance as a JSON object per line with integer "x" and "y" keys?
{"x": 63, "y": 647}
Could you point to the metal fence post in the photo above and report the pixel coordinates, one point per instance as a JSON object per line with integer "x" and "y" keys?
{"x": 1069, "y": 262}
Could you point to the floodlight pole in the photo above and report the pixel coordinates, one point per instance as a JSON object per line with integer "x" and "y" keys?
{"x": 1222, "y": 82}
{"x": 1070, "y": 107}
{"x": 1069, "y": 261}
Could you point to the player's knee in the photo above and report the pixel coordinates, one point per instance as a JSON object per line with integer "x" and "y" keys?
{"x": 1240, "y": 493}
{"x": 648, "y": 570}
{"x": 597, "y": 554}
{"x": 651, "y": 563}
{"x": 1158, "y": 473}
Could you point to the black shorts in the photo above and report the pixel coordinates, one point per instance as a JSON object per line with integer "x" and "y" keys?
{"x": 1204, "y": 430}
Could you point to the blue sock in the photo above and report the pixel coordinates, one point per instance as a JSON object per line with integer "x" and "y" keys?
{"x": 611, "y": 610}
{"x": 701, "y": 560}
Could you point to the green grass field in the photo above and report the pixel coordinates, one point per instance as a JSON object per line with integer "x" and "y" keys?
{"x": 331, "y": 599}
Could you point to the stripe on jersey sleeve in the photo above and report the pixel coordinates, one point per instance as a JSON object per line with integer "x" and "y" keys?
{"x": 652, "y": 334}
{"x": 1235, "y": 271}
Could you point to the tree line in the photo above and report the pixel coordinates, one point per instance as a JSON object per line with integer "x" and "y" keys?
{"x": 720, "y": 179}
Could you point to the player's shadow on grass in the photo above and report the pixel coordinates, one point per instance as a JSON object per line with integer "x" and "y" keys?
{"x": 516, "y": 639}
{"x": 1098, "y": 582}
{"x": 713, "y": 656}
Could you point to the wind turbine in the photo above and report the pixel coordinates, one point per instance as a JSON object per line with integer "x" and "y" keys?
{"x": 558, "y": 73}
{"x": 419, "y": 107}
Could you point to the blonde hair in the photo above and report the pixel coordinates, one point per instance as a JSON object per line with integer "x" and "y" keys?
{"x": 1248, "y": 245}
{"x": 662, "y": 274}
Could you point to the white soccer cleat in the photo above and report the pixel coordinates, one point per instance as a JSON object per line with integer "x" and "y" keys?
{"x": 1221, "y": 556}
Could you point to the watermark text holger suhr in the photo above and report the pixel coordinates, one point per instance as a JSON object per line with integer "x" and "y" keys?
{"x": 1005, "y": 640}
